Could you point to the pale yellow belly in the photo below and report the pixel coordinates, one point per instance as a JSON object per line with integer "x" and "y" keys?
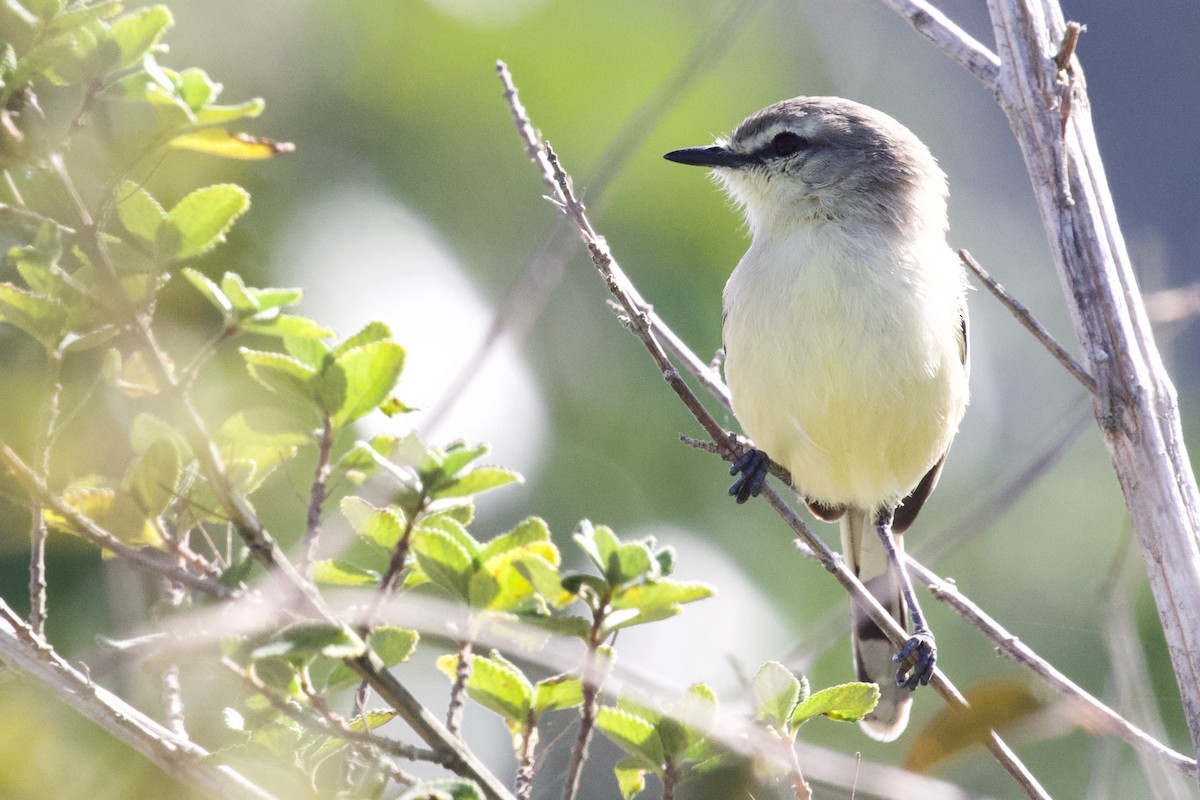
{"x": 856, "y": 397}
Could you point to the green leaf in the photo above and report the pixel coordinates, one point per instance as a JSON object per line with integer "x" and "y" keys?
{"x": 280, "y": 373}
{"x": 363, "y": 459}
{"x": 310, "y": 639}
{"x": 457, "y": 456}
{"x": 136, "y": 33}
{"x": 558, "y": 692}
{"x": 313, "y": 352}
{"x": 451, "y": 525}
{"x": 277, "y": 297}
{"x": 477, "y": 480}
{"x": 531, "y": 530}
{"x": 217, "y": 115}
{"x": 482, "y": 590}
{"x": 545, "y": 578}
{"x": 694, "y": 715}
{"x": 370, "y": 373}
{"x": 627, "y": 618}
{"x": 209, "y": 289}
{"x": 341, "y": 573}
{"x": 154, "y": 479}
{"x": 631, "y": 733}
{"x": 380, "y": 526}
{"x": 662, "y": 592}
{"x": 286, "y": 325}
{"x": 117, "y": 512}
{"x": 196, "y": 88}
{"x": 444, "y": 789}
{"x": 631, "y": 775}
{"x": 599, "y": 543}
{"x": 65, "y": 21}
{"x": 372, "y": 719}
{"x": 629, "y": 562}
{"x": 776, "y": 693}
{"x": 847, "y": 701}
{"x": 393, "y": 644}
{"x": 445, "y": 561}
{"x": 261, "y": 427}
{"x": 574, "y": 582}
{"x": 496, "y": 684}
{"x": 200, "y": 221}
{"x": 44, "y": 318}
{"x": 244, "y": 299}
{"x": 371, "y": 332}
{"x": 139, "y": 212}
{"x": 278, "y": 672}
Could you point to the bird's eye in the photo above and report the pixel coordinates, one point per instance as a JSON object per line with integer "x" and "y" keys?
{"x": 788, "y": 143}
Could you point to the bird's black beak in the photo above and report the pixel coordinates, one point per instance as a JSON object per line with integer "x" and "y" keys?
{"x": 711, "y": 156}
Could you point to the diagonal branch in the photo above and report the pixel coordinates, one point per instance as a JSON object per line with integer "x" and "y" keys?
{"x": 177, "y": 756}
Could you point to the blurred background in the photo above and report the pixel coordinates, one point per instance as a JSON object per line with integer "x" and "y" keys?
{"x": 409, "y": 199}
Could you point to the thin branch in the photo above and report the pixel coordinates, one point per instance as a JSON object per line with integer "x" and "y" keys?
{"x": 638, "y": 313}
{"x": 1132, "y": 684}
{"x": 523, "y": 783}
{"x": 312, "y": 533}
{"x": 330, "y": 726}
{"x": 1099, "y": 716}
{"x": 958, "y": 44}
{"x": 178, "y": 757}
{"x": 38, "y": 532}
{"x": 456, "y": 756}
{"x": 28, "y": 218}
{"x": 1026, "y": 318}
{"x": 458, "y": 691}
{"x": 147, "y": 559}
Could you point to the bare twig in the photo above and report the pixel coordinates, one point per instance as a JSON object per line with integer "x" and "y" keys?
{"x": 146, "y": 559}
{"x": 327, "y": 725}
{"x": 29, "y": 218}
{"x": 38, "y": 532}
{"x": 638, "y": 313}
{"x": 178, "y": 757}
{"x": 1026, "y": 318}
{"x": 316, "y": 500}
{"x": 458, "y": 691}
{"x": 958, "y": 44}
{"x": 1099, "y": 716}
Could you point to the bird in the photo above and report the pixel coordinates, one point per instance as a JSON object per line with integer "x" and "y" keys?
{"x": 845, "y": 345}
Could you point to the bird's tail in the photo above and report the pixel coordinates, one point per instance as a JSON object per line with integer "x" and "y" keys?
{"x": 865, "y": 555}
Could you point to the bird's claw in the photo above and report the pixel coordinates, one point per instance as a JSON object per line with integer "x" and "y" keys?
{"x": 753, "y": 466}
{"x": 916, "y": 659}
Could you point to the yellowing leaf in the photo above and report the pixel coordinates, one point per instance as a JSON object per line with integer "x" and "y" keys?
{"x": 993, "y": 706}
{"x": 241, "y": 146}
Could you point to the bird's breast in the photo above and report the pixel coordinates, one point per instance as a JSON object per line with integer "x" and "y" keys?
{"x": 843, "y": 360}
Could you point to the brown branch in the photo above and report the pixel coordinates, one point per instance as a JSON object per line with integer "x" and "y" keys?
{"x": 1026, "y": 318}
{"x": 22, "y": 650}
{"x": 152, "y": 560}
{"x": 330, "y": 724}
{"x": 312, "y": 533}
{"x": 1100, "y": 717}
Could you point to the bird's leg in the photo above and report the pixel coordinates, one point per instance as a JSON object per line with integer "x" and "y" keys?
{"x": 753, "y": 465}
{"x": 919, "y": 654}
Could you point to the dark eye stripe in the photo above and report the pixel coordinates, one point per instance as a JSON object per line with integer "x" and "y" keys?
{"x": 788, "y": 143}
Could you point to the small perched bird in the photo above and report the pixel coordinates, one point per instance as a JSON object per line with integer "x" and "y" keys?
{"x": 845, "y": 335}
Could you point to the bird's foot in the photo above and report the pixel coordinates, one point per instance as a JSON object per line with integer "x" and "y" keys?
{"x": 753, "y": 466}
{"x": 916, "y": 659}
